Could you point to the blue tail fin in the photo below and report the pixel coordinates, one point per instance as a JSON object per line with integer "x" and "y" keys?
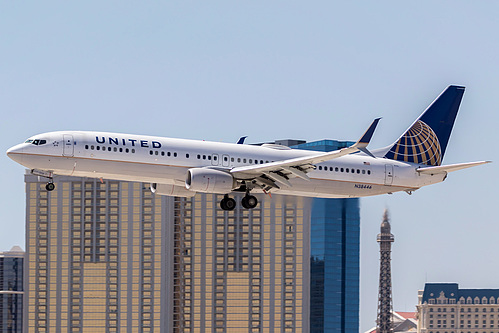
{"x": 426, "y": 140}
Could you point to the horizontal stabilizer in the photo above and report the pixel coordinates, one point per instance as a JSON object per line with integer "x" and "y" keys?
{"x": 449, "y": 168}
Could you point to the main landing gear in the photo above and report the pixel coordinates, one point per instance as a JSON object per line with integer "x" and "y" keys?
{"x": 227, "y": 203}
{"x": 248, "y": 202}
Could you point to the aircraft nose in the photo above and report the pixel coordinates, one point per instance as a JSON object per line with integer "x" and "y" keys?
{"x": 16, "y": 153}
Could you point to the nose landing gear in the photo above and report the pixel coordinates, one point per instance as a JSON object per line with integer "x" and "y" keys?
{"x": 50, "y": 186}
{"x": 45, "y": 174}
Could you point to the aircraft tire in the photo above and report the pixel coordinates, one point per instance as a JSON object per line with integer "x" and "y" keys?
{"x": 228, "y": 203}
{"x": 249, "y": 201}
{"x": 50, "y": 187}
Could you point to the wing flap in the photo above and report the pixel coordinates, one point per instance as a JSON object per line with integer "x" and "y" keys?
{"x": 302, "y": 164}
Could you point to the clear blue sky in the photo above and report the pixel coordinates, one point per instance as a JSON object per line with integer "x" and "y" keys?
{"x": 218, "y": 70}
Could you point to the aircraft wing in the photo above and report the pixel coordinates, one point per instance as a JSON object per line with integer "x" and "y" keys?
{"x": 449, "y": 168}
{"x": 268, "y": 174}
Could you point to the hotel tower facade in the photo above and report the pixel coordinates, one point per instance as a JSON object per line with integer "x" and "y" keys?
{"x": 109, "y": 256}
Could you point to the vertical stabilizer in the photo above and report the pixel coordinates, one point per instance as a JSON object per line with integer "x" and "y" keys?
{"x": 426, "y": 140}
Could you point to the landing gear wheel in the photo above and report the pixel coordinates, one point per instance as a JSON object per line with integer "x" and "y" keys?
{"x": 228, "y": 203}
{"x": 50, "y": 187}
{"x": 249, "y": 201}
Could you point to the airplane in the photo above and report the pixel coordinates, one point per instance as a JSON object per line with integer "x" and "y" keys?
{"x": 182, "y": 168}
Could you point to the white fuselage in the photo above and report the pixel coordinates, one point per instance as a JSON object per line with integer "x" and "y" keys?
{"x": 166, "y": 161}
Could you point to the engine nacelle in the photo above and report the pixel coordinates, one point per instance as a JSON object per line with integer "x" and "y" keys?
{"x": 171, "y": 190}
{"x": 209, "y": 181}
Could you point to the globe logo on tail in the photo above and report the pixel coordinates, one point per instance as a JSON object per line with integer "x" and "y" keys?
{"x": 418, "y": 145}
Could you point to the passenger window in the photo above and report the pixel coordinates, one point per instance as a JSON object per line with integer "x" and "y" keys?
{"x": 174, "y": 154}
{"x": 336, "y": 169}
{"x": 209, "y": 157}
{"x": 363, "y": 172}
{"x": 92, "y": 147}
{"x": 320, "y": 167}
{"x": 98, "y": 147}
{"x": 162, "y": 153}
{"x": 150, "y": 152}
{"x": 186, "y": 155}
{"x": 215, "y": 158}
{"x": 250, "y": 160}
{"x": 261, "y": 161}
{"x": 238, "y": 160}
{"x": 156, "y": 152}
{"x": 244, "y": 160}
{"x": 169, "y": 154}
{"x": 368, "y": 172}
{"x": 199, "y": 157}
{"x": 341, "y": 169}
{"x": 204, "y": 157}
{"x": 133, "y": 150}
{"x": 108, "y": 148}
{"x": 232, "y": 159}
{"x": 127, "y": 150}
{"x": 86, "y": 146}
{"x": 225, "y": 159}
{"x": 347, "y": 170}
{"x": 358, "y": 171}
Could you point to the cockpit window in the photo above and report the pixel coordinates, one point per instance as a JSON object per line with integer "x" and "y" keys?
{"x": 36, "y": 142}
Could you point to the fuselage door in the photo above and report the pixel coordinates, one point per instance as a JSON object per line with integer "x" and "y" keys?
{"x": 225, "y": 160}
{"x": 388, "y": 174}
{"x": 68, "y": 145}
{"x": 214, "y": 159}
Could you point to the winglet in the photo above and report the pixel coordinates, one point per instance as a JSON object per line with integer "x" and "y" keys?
{"x": 241, "y": 140}
{"x": 366, "y": 138}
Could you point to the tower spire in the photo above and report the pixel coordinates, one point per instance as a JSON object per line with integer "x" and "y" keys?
{"x": 385, "y": 307}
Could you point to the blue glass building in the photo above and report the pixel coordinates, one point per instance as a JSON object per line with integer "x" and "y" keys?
{"x": 334, "y": 262}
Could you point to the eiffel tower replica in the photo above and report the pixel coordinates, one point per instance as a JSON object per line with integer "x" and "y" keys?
{"x": 384, "y": 322}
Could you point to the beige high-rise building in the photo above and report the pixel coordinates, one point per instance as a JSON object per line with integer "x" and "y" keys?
{"x": 109, "y": 256}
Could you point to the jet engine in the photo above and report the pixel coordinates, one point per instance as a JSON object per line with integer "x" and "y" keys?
{"x": 209, "y": 181}
{"x": 171, "y": 190}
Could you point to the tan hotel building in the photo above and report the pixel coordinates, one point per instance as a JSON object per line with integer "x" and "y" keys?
{"x": 445, "y": 308}
{"x": 112, "y": 257}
